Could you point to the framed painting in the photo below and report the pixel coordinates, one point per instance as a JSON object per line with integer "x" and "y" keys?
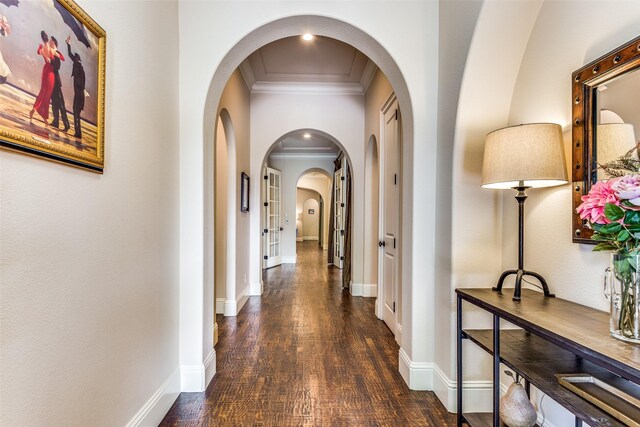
{"x": 244, "y": 192}
{"x": 52, "y": 82}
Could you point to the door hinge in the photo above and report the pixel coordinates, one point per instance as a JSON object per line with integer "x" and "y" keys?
{"x": 395, "y": 179}
{"x": 396, "y": 114}
{"x": 266, "y": 231}
{"x": 342, "y": 178}
{"x": 394, "y": 243}
{"x": 266, "y": 177}
{"x": 342, "y": 205}
{"x": 341, "y": 258}
{"x": 266, "y": 203}
{"x": 342, "y": 232}
{"x": 266, "y": 257}
{"x": 394, "y": 306}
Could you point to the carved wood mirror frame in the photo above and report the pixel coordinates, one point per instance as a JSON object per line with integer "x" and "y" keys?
{"x": 584, "y": 83}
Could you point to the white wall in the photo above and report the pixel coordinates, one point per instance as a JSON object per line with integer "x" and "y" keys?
{"x": 89, "y": 277}
{"x": 234, "y": 104}
{"x": 292, "y": 169}
{"x": 220, "y": 215}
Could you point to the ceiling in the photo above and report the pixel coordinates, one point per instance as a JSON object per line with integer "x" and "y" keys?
{"x": 320, "y": 63}
{"x": 295, "y": 144}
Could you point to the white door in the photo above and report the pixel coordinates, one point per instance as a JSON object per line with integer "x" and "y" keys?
{"x": 390, "y": 217}
{"x": 271, "y": 231}
{"x": 339, "y": 211}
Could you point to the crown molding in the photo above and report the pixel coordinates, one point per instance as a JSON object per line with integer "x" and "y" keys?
{"x": 303, "y": 156}
{"x": 307, "y": 88}
{"x": 247, "y": 73}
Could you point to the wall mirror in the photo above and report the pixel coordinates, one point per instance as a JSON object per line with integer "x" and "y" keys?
{"x": 606, "y": 121}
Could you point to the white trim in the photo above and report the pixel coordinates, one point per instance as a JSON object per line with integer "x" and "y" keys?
{"x": 289, "y": 259}
{"x": 192, "y": 378}
{"x": 367, "y": 75}
{"x": 476, "y": 395}
{"x": 154, "y": 410}
{"x": 230, "y": 307}
{"x": 219, "y": 305}
{"x": 417, "y": 375}
{"x": 307, "y": 87}
{"x": 216, "y": 331}
{"x": 331, "y": 156}
{"x": 355, "y": 289}
{"x": 209, "y": 367}
{"x": 255, "y": 289}
{"x": 370, "y": 290}
{"x": 325, "y": 247}
{"x": 310, "y": 238}
{"x": 299, "y": 239}
{"x": 247, "y": 73}
{"x": 398, "y": 333}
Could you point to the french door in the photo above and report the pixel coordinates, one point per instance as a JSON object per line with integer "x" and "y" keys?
{"x": 339, "y": 200}
{"x": 271, "y": 230}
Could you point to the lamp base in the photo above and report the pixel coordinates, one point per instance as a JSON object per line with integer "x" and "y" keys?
{"x": 520, "y": 273}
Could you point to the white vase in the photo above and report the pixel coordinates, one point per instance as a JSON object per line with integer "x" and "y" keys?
{"x": 515, "y": 408}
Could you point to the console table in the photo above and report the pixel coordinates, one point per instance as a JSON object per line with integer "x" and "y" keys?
{"x": 557, "y": 337}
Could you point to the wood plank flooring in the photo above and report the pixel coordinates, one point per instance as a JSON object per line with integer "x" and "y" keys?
{"x": 306, "y": 353}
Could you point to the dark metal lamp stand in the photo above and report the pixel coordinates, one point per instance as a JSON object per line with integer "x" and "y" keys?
{"x": 521, "y": 272}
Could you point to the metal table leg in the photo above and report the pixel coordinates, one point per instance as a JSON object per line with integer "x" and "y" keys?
{"x": 459, "y": 362}
{"x": 496, "y": 371}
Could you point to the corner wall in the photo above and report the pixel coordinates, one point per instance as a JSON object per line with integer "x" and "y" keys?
{"x": 89, "y": 263}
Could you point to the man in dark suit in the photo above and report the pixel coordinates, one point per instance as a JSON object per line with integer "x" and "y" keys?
{"x": 57, "y": 99}
{"x": 78, "y": 88}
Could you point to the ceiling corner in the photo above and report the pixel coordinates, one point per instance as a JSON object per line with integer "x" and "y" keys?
{"x": 247, "y": 73}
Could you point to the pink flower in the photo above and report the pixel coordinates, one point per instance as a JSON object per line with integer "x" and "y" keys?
{"x": 593, "y": 204}
{"x": 628, "y": 188}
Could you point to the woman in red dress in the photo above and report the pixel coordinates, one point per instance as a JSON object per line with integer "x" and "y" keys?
{"x": 48, "y": 79}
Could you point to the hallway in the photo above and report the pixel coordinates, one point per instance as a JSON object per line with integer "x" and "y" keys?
{"x": 306, "y": 353}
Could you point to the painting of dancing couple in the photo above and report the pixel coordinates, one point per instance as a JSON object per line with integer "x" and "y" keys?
{"x": 52, "y": 82}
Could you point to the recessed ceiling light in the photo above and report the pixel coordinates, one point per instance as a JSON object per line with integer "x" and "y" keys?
{"x": 307, "y": 136}
{"x": 307, "y": 37}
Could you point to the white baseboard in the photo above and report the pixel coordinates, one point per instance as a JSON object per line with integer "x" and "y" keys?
{"x": 289, "y": 259}
{"x": 355, "y": 289}
{"x": 209, "y": 367}
{"x": 476, "y": 395}
{"x": 255, "y": 289}
{"x": 370, "y": 290}
{"x": 219, "y": 305}
{"x": 310, "y": 238}
{"x": 299, "y": 239}
{"x": 192, "y": 378}
{"x": 230, "y": 307}
{"x": 325, "y": 247}
{"x": 417, "y": 375}
{"x": 152, "y": 413}
{"x": 215, "y": 333}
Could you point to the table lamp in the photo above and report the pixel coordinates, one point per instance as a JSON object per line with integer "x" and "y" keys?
{"x": 522, "y": 157}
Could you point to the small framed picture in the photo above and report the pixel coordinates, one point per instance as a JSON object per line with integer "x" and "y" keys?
{"x": 312, "y": 211}
{"x": 244, "y": 192}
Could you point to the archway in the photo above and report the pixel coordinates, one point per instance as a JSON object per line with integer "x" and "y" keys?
{"x": 197, "y": 211}
{"x": 293, "y": 168}
{"x": 320, "y": 181}
{"x": 225, "y": 216}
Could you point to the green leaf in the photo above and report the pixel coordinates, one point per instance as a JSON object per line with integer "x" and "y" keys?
{"x": 623, "y": 236}
{"x": 613, "y": 212}
{"x": 600, "y": 238}
{"x": 612, "y": 228}
{"x": 604, "y": 247}
{"x": 632, "y": 218}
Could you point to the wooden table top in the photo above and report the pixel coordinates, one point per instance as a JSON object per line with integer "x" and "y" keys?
{"x": 578, "y": 328}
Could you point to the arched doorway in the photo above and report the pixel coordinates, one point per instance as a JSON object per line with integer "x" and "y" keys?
{"x": 197, "y": 208}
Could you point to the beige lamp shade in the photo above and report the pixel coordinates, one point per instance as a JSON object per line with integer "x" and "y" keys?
{"x": 530, "y": 155}
{"x": 614, "y": 140}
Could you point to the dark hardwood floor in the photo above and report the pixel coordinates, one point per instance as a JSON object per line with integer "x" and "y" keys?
{"x": 306, "y": 353}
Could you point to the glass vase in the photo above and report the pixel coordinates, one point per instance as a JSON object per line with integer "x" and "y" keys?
{"x": 622, "y": 286}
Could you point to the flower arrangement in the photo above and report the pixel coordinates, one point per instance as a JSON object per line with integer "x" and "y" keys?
{"x": 612, "y": 209}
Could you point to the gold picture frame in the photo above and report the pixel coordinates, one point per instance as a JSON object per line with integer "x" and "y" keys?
{"x": 52, "y": 82}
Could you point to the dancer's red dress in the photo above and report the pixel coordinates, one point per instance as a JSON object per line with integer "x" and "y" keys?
{"x": 46, "y": 88}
